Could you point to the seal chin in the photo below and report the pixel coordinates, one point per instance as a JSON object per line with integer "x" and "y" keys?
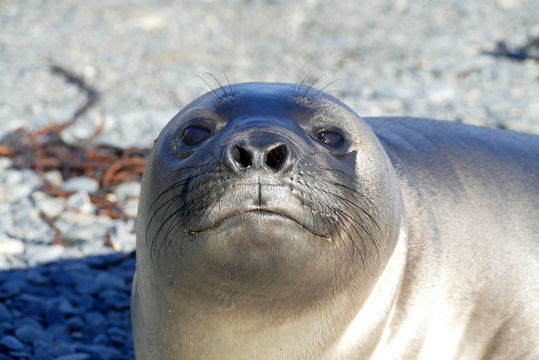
{"x": 260, "y": 216}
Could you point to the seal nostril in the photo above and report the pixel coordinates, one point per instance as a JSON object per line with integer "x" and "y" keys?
{"x": 242, "y": 157}
{"x": 276, "y": 157}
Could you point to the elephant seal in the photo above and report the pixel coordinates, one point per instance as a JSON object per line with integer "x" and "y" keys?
{"x": 274, "y": 223}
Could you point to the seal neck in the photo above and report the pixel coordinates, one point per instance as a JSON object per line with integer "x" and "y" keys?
{"x": 368, "y": 328}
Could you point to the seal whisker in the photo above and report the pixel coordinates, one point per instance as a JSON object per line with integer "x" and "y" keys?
{"x": 351, "y": 205}
{"x": 221, "y": 87}
{"x": 324, "y": 88}
{"x": 231, "y": 88}
{"x": 212, "y": 90}
{"x": 167, "y": 191}
{"x": 180, "y": 183}
{"x": 160, "y": 229}
{"x": 166, "y": 239}
{"x": 311, "y": 85}
{"x": 355, "y": 207}
{"x": 360, "y": 225}
{"x": 300, "y": 85}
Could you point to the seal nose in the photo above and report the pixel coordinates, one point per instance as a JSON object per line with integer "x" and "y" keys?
{"x": 260, "y": 152}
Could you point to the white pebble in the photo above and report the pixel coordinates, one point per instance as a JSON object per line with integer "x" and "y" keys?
{"x": 127, "y": 190}
{"x": 82, "y": 183}
{"x": 123, "y": 235}
{"x": 439, "y": 93}
{"x": 54, "y": 177}
{"x": 50, "y": 206}
{"x": 509, "y": 4}
{"x": 5, "y": 163}
{"x": 80, "y": 202}
{"x": 130, "y": 207}
{"x": 10, "y": 246}
{"x": 37, "y": 254}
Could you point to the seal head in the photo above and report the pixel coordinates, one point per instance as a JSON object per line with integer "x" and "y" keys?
{"x": 265, "y": 199}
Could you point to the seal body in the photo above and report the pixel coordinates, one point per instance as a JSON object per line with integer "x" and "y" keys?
{"x": 274, "y": 223}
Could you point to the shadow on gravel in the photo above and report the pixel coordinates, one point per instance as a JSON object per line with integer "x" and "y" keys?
{"x": 68, "y": 310}
{"x": 528, "y": 51}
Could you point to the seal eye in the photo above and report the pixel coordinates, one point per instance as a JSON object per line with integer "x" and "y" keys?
{"x": 330, "y": 138}
{"x": 194, "y": 135}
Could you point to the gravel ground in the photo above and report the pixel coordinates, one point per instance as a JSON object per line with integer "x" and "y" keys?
{"x": 67, "y": 310}
{"x": 147, "y": 59}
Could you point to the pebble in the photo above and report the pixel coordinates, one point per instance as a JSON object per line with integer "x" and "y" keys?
{"x": 29, "y": 333}
{"x": 130, "y": 207}
{"x": 4, "y": 313}
{"x": 127, "y": 190}
{"x": 74, "y": 356}
{"x": 83, "y": 183}
{"x": 100, "y": 351}
{"x": 107, "y": 280}
{"x": 10, "y": 246}
{"x": 38, "y": 254}
{"x": 6, "y": 327}
{"x": 54, "y": 177}
{"x": 50, "y": 206}
{"x": 509, "y": 4}
{"x": 5, "y": 163}
{"x": 11, "y": 342}
{"x": 123, "y": 235}
{"x": 439, "y": 93}
{"x": 53, "y": 319}
{"x": 61, "y": 277}
{"x": 36, "y": 277}
{"x": 80, "y": 202}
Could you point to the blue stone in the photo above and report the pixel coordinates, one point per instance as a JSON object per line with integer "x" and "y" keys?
{"x": 62, "y": 277}
{"x": 109, "y": 280}
{"x": 101, "y": 351}
{"x": 35, "y": 277}
{"x": 66, "y": 308}
{"x": 54, "y": 316}
{"x": 60, "y": 349}
{"x": 85, "y": 302}
{"x": 114, "y": 331}
{"x": 11, "y": 288}
{"x": 76, "y": 266}
{"x": 30, "y": 299}
{"x": 100, "y": 339}
{"x": 85, "y": 284}
{"x": 58, "y": 331}
{"x": 32, "y": 304}
{"x": 41, "y": 346}
{"x": 6, "y": 327}
{"x": 75, "y": 323}
{"x": 20, "y": 354}
{"x": 5, "y": 315}
{"x": 116, "y": 299}
{"x": 29, "y": 333}
{"x": 27, "y": 321}
{"x": 94, "y": 319}
{"x": 74, "y": 356}
{"x": 11, "y": 342}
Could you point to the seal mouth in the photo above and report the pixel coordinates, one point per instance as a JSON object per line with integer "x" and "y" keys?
{"x": 260, "y": 213}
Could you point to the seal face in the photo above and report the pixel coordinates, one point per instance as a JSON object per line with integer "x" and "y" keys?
{"x": 275, "y": 223}
{"x": 255, "y": 184}
{"x": 259, "y": 195}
